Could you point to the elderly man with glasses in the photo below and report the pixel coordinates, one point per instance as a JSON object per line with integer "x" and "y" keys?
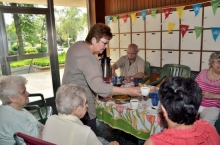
{"x": 131, "y": 65}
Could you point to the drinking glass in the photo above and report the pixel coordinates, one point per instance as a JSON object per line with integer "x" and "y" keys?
{"x": 114, "y": 80}
{"x": 136, "y": 82}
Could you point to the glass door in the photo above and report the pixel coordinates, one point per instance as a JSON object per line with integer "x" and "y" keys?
{"x": 28, "y": 49}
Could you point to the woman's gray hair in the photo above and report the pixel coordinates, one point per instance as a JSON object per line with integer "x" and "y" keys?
{"x": 213, "y": 56}
{"x": 9, "y": 87}
{"x": 68, "y": 96}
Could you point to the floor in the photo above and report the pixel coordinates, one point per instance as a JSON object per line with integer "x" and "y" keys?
{"x": 111, "y": 134}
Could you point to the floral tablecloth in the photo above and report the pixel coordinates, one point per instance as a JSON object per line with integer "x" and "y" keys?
{"x": 139, "y": 122}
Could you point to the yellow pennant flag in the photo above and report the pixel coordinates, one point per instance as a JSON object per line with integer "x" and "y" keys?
{"x": 133, "y": 17}
{"x": 170, "y": 26}
{"x": 180, "y": 11}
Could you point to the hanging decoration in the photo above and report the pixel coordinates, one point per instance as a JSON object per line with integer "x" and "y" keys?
{"x": 198, "y": 30}
{"x": 180, "y": 11}
{"x": 115, "y": 19}
{"x": 166, "y": 12}
{"x": 133, "y": 17}
{"x": 153, "y": 13}
{"x": 215, "y": 32}
{"x": 196, "y": 8}
{"x": 108, "y": 19}
{"x": 183, "y": 29}
{"x": 143, "y": 14}
{"x": 170, "y": 26}
{"x": 214, "y": 5}
{"x": 124, "y": 17}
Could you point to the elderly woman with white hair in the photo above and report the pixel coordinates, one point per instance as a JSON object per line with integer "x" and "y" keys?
{"x": 66, "y": 128}
{"x": 13, "y": 117}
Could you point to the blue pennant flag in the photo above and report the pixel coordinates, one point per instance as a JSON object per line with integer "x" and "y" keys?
{"x": 196, "y": 8}
{"x": 143, "y": 14}
{"x": 108, "y": 18}
{"x": 215, "y": 32}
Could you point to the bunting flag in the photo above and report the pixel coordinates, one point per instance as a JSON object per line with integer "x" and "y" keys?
{"x": 170, "y": 26}
{"x": 115, "y": 19}
{"x": 180, "y": 11}
{"x": 133, "y": 17}
{"x": 153, "y": 13}
{"x": 143, "y": 14}
{"x": 198, "y": 30}
{"x": 214, "y": 5}
{"x": 196, "y": 8}
{"x": 215, "y": 32}
{"x": 166, "y": 12}
{"x": 125, "y": 18}
{"x": 108, "y": 18}
{"x": 183, "y": 29}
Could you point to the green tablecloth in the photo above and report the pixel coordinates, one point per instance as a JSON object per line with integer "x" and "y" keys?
{"x": 139, "y": 123}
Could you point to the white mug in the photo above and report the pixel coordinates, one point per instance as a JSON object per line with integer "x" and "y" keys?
{"x": 134, "y": 103}
{"x": 145, "y": 91}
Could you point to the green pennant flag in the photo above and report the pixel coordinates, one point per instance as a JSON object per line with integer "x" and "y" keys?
{"x": 214, "y": 5}
{"x": 115, "y": 19}
{"x": 153, "y": 13}
{"x": 198, "y": 30}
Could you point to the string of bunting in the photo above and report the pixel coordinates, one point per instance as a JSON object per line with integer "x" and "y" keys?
{"x": 184, "y": 28}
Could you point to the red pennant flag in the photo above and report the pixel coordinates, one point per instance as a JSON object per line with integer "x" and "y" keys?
{"x": 125, "y": 17}
{"x": 183, "y": 29}
{"x": 166, "y": 12}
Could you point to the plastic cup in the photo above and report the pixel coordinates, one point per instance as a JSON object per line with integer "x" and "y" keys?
{"x": 136, "y": 82}
{"x": 114, "y": 80}
{"x": 121, "y": 78}
{"x": 154, "y": 98}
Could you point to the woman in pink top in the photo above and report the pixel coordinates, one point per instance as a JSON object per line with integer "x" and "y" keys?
{"x": 209, "y": 82}
{"x": 180, "y": 100}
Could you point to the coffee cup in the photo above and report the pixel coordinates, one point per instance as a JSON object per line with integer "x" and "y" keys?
{"x": 135, "y": 104}
{"x": 145, "y": 91}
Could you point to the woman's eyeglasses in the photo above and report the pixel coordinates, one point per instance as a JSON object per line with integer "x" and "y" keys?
{"x": 105, "y": 43}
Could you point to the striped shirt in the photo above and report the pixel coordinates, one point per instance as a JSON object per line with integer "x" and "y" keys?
{"x": 208, "y": 86}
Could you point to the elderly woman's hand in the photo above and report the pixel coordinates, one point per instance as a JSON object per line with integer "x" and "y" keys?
{"x": 114, "y": 143}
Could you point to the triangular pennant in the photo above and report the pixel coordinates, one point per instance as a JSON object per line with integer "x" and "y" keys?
{"x": 115, "y": 19}
{"x": 183, "y": 29}
{"x": 133, "y": 17}
{"x": 180, "y": 11}
{"x": 153, "y": 13}
{"x": 108, "y": 18}
{"x": 215, "y": 32}
{"x": 170, "y": 26}
{"x": 143, "y": 14}
{"x": 214, "y": 5}
{"x": 166, "y": 12}
{"x": 198, "y": 30}
{"x": 196, "y": 8}
{"x": 124, "y": 17}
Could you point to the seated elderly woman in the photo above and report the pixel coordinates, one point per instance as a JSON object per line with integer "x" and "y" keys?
{"x": 180, "y": 100}
{"x": 13, "y": 117}
{"x": 66, "y": 128}
{"x": 209, "y": 82}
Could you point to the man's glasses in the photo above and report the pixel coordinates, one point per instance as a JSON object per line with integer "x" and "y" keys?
{"x": 105, "y": 43}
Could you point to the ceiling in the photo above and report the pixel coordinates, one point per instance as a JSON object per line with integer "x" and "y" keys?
{"x": 70, "y": 3}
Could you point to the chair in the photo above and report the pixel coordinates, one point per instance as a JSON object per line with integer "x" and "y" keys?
{"x": 217, "y": 124}
{"x": 147, "y": 71}
{"x": 29, "y": 140}
{"x": 172, "y": 70}
{"x": 40, "y": 113}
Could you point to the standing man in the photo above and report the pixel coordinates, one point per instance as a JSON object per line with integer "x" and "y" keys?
{"x": 131, "y": 65}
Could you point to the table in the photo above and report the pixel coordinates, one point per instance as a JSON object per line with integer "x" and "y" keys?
{"x": 139, "y": 122}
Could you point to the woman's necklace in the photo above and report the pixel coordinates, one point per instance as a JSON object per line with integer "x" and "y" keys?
{"x": 213, "y": 78}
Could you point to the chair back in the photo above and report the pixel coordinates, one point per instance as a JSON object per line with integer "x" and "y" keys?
{"x": 29, "y": 140}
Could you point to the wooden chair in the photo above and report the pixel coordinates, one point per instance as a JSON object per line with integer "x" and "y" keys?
{"x": 147, "y": 70}
{"x": 29, "y": 140}
{"x": 172, "y": 70}
{"x": 40, "y": 113}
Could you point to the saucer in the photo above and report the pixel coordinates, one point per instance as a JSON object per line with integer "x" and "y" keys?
{"x": 153, "y": 109}
{"x": 129, "y": 106}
